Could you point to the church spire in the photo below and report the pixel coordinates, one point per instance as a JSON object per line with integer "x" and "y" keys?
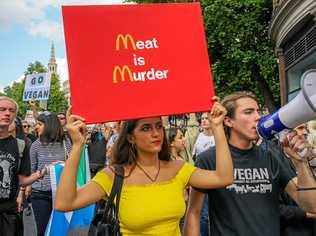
{"x": 52, "y": 65}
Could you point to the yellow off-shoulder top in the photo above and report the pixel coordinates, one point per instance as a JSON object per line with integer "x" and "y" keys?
{"x": 151, "y": 209}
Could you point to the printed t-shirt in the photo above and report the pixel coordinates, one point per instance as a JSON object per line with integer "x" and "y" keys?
{"x": 151, "y": 209}
{"x": 10, "y": 161}
{"x": 203, "y": 142}
{"x": 250, "y": 206}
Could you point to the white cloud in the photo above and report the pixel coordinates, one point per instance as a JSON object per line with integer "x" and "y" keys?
{"x": 20, "y": 12}
{"x": 62, "y": 69}
{"x": 18, "y": 80}
{"x": 47, "y": 29}
{"x": 32, "y": 15}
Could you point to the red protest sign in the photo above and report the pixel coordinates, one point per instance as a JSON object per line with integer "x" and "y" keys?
{"x": 137, "y": 60}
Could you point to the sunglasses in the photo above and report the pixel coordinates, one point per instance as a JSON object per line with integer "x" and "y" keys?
{"x": 62, "y": 118}
{"x": 26, "y": 126}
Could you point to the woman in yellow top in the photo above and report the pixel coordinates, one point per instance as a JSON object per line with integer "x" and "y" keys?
{"x": 152, "y": 201}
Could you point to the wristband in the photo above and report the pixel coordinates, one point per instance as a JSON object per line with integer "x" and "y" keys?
{"x": 306, "y": 189}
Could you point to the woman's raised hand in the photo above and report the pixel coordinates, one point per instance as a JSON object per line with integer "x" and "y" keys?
{"x": 76, "y": 128}
{"x": 217, "y": 114}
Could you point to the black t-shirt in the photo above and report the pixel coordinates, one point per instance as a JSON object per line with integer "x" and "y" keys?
{"x": 31, "y": 137}
{"x": 250, "y": 206}
{"x": 9, "y": 162}
{"x": 97, "y": 155}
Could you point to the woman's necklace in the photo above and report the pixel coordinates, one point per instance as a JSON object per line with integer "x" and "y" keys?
{"x": 148, "y": 176}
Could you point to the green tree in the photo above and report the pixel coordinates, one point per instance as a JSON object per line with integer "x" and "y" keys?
{"x": 16, "y": 92}
{"x": 35, "y": 67}
{"x": 237, "y": 36}
{"x": 239, "y": 48}
{"x": 56, "y": 102}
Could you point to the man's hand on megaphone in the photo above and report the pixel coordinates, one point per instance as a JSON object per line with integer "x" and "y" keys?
{"x": 296, "y": 147}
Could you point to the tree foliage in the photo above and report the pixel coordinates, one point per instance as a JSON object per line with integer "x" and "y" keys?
{"x": 35, "y": 67}
{"x": 15, "y": 91}
{"x": 56, "y": 102}
{"x": 240, "y": 51}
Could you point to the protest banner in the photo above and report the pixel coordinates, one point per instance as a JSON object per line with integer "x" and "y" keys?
{"x": 37, "y": 87}
{"x": 137, "y": 60}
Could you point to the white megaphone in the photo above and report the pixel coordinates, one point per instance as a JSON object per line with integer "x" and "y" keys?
{"x": 300, "y": 110}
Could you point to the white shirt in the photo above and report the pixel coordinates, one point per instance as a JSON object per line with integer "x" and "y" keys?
{"x": 202, "y": 143}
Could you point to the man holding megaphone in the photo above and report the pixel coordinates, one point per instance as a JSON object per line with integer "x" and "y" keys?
{"x": 300, "y": 110}
{"x": 250, "y": 206}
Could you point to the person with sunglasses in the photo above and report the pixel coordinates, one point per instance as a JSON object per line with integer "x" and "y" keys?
{"x": 26, "y": 129}
{"x": 62, "y": 119}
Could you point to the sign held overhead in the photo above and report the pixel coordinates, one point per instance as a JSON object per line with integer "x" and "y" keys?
{"x": 37, "y": 87}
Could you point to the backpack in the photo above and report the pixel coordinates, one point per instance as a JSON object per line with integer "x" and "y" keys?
{"x": 97, "y": 157}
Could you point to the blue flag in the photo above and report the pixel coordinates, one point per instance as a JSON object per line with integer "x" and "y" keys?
{"x": 74, "y": 222}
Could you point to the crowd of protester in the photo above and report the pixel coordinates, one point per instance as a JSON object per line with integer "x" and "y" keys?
{"x": 196, "y": 174}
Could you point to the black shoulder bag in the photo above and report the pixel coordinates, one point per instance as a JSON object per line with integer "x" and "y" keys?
{"x": 106, "y": 222}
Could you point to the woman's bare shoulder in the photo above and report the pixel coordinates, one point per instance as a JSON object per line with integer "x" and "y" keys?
{"x": 175, "y": 165}
{"x": 109, "y": 171}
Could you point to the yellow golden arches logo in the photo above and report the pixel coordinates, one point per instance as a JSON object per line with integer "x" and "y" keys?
{"x": 124, "y": 39}
{"x": 122, "y": 71}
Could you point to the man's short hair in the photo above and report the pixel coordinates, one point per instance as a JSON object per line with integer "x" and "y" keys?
{"x": 5, "y": 98}
{"x": 230, "y": 103}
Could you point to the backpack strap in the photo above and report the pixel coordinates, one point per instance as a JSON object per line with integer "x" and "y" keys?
{"x": 21, "y": 147}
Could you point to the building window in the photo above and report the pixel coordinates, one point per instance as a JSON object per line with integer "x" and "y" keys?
{"x": 295, "y": 73}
